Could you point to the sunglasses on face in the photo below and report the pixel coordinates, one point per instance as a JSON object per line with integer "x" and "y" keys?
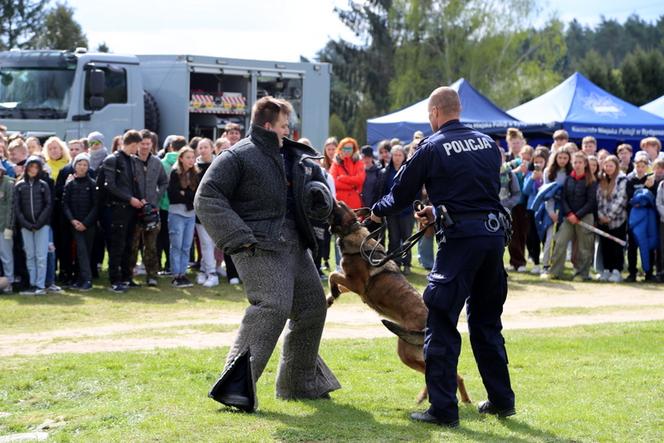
{"x": 347, "y": 149}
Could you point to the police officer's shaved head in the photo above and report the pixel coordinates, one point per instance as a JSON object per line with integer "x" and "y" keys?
{"x": 444, "y": 105}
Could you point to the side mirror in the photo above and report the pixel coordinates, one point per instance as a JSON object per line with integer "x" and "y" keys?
{"x": 97, "y": 82}
{"x": 96, "y": 103}
{"x": 96, "y": 87}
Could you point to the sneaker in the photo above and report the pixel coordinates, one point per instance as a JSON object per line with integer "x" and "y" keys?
{"x": 521, "y": 268}
{"x": 615, "y": 276}
{"x": 536, "y": 270}
{"x": 152, "y": 281}
{"x": 234, "y": 281}
{"x": 164, "y": 273}
{"x": 131, "y": 284}
{"x": 85, "y": 286}
{"x": 604, "y": 276}
{"x": 29, "y": 291}
{"x": 201, "y": 278}
{"x": 118, "y": 288}
{"x": 8, "y": 290}
{"x": 650, "y": 278}
{"x": 631, "y": 278}
{"x": 511, "y": 268}
{"x": 546, "y": 276}
{"x": 211, "y": 281}
{"x": 42, "y": 291}
{"x": 185, "y": 282}
{"x": 181, "y": 282}
{"x": 221, "y": 270}
{"x": 54, "y": 288}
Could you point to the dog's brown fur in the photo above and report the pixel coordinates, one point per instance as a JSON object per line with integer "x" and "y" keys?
{"x": 383, "y": 288}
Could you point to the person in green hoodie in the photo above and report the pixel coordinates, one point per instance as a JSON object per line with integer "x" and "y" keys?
{"x": 163, "y": 243}
{"x": 6, "y": 225}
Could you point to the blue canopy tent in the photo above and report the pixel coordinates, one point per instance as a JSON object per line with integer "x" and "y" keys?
{"x": 583, "y": 108}
{"x": 655, "y": 107}
{"x": 477, "y": 111}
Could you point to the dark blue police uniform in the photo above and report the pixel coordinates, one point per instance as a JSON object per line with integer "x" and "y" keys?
{"x": 460, "y": 168}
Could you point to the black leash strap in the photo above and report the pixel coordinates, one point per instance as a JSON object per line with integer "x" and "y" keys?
{"x": 369, "y": 254}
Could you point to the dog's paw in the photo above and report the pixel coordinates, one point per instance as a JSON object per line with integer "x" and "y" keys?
{"x": 330, "y": 300}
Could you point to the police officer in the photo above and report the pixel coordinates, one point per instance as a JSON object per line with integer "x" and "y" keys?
{"x": 460, "y": 169}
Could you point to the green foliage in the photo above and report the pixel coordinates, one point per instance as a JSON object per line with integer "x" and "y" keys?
{"x": 61, "y": 31}
{"x": 408, "y": 47}
{"x": 643, "y": 76}
{"x": 337, "y": 127}
{"x": 20, "y": 23}
{"x": 103, "y": 47}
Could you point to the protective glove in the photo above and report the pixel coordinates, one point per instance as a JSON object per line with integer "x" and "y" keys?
{"x": 8, "y": 233}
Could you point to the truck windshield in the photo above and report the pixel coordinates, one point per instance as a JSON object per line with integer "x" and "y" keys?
{"x": 35, "y": 92}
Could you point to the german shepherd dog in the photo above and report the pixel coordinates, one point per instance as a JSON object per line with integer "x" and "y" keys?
{"x": 384, "y": 289}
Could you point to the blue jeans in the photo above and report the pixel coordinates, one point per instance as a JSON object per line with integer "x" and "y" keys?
{"x": 50, "y": 261}
{"x": 35, "y": 244}
{"x": 181, "y": 236}
{"x": 7, "y": 257}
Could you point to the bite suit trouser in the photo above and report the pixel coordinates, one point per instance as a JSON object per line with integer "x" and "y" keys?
{"x": 467, "y": 271}
{"x": 284, "y": 289}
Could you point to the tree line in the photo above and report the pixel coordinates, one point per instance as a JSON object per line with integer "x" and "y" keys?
{"x": 405, "y": 48}
{"x": 39, "y": 24}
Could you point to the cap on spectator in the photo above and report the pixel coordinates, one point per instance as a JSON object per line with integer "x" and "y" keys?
{"x": 96, "y": 136}
{"x": 80, "y": 157}
{"x": 367, "y": 151}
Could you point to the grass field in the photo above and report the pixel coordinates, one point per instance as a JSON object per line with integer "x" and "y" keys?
{"x": 599, "y": 383}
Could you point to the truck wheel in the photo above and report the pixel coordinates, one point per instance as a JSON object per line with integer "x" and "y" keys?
{"x": 151, "y": 112}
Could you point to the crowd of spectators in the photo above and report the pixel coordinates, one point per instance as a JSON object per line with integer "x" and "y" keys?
{"x": 65, "y": 208}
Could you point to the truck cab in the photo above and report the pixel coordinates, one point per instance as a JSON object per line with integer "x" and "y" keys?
{"x": 46, "y": 93}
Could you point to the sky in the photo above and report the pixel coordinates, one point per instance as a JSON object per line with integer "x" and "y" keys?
{"x": 280, "y": 30}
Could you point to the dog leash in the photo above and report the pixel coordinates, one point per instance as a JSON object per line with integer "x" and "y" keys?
{"x": 369, "y": 254}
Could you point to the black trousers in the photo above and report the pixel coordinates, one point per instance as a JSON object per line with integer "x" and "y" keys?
{"x": 163, "y": 240}
{"x": 467, "y": 271}
{"x": 613, "y": 255}
{"x": 84, "y": 242}
{"x": 632, "y": 249}
{"x": 533, "y": 242}
{"x": 63, "y": 240}
{"x": 123, "y": 220}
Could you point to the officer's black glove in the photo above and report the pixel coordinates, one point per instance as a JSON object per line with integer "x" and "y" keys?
{"x": 371, "y": 225}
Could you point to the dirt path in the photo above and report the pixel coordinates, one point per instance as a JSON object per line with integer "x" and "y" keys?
{"x": 527, "y": 307}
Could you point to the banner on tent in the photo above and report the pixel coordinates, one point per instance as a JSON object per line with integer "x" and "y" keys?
{"x": 577, "y": 130}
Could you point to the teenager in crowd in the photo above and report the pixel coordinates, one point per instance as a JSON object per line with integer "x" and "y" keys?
{"x": 182, "y": 185}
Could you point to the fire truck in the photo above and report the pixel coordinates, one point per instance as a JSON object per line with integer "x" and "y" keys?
{"x": 72, "y": 93}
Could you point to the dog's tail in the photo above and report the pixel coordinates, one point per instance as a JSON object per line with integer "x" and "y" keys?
{"x": 415, "y": 338}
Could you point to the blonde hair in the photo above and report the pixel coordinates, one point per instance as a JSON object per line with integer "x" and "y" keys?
{"x": 513, "y": 133}
{"x": 63, "y": 148}
{"x": 651, "y": 141}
